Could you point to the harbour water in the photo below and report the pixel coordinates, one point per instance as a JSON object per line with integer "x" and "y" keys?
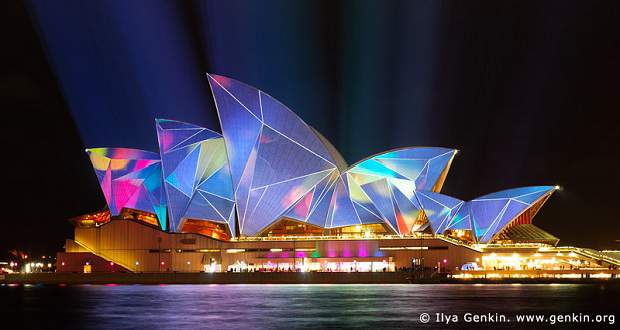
{"x": 302, "y": 306}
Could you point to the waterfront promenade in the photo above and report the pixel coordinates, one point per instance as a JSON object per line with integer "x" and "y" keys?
{"x": 284, "y": 278}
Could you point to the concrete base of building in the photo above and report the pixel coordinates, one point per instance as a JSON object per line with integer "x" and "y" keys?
{"x": 153, "y": 256}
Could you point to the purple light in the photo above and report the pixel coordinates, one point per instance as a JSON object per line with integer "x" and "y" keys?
{"x": 362, "y": 251}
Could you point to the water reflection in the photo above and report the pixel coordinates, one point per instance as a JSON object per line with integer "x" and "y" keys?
{"x": 285, "y": 306}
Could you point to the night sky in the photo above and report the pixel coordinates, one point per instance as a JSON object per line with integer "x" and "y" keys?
{"x": 528, "y": 91}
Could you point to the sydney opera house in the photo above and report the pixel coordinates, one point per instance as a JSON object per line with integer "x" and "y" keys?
{"x": 271, "y": 193}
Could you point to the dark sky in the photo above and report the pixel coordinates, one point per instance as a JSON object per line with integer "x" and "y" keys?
{"x": 528, "y": 91}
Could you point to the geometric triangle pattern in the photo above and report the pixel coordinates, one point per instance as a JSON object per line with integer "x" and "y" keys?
{"x": 276, "y": 159}
{"x": 461, "y": 220}
{"x": 422, "y": 165}
{"x": 487, "y": 215}
{"x": 195, "y": 172}
{"x": 268, "y": 163}
{"x": 390, "y": 182}
{"x": 439, "y": 209}
{"x": 130, "y": 178}
{"x": 379, "y": 190}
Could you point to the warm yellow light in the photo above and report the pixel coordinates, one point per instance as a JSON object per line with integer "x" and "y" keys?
{"x": 392, "y": 248}
{"x": 557, "y": 187}
{"x": 208, "y": 250}
{"x": 235, "y": 250}
{"x": 275, "y": 250}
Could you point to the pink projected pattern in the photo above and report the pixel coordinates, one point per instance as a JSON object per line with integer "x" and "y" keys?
{"x": 130, "y": 178}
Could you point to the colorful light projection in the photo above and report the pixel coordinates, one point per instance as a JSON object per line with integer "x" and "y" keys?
{"x": 196, "y": 174}
{"x": 282, "y": 167}
{"x": 269, "y": 165}
{"x": 439, "y": 209}
{"x": 386, "y": 184}
{"x": 275, "y": 158}
{"x": 487, "y": 215}
{"x": 130, "y": 178}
